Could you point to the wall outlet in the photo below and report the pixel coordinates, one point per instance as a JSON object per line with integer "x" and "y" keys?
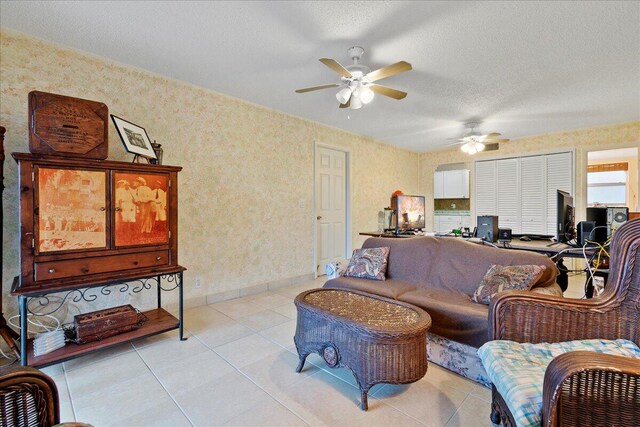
{"x": 301, "y": 203}
{"x": 198, "y": 284}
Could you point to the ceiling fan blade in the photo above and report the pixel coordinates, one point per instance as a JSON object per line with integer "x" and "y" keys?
{"x": 492, "y": 135}
{"x": 492, "y": 140}
{"x": 310, "y": 89}
{"x": 387, "y": 91}
{"x": 335, "y": 66}
{"x": 346, "y": 104}
{"x": 388, "y": 71}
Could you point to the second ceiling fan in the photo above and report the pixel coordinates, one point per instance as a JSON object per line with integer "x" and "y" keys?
{"x": 357, "y": 80}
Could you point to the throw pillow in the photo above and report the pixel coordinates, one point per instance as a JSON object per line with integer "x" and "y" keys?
{"x": 506, "y": 278}
{"x": 368, "y": 263}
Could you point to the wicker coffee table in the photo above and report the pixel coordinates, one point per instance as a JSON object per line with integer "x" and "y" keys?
{"x": 380, "y": 340}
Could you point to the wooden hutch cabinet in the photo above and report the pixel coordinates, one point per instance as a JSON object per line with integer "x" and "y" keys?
{"x": 90, "y": 223}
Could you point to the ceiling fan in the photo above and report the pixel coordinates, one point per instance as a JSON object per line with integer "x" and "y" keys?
{"x": 473, "y": 141}
{"x": 357, "y": 80}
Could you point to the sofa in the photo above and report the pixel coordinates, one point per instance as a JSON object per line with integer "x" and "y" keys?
{"x": 440, "y": 274}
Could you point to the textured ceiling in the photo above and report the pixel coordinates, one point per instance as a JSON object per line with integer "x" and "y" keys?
{"x": 520, "y": 68}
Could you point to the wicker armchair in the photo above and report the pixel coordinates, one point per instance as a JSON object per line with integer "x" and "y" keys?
{"x": 581, "y": 388}
{"x": 28, "y": 397}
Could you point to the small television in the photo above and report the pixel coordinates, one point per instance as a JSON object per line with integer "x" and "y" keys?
{"x": 409, "y": 212}
{"x": 565, "y": 218}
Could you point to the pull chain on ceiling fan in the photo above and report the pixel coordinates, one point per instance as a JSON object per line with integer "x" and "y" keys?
{"x": 357, "y": 80}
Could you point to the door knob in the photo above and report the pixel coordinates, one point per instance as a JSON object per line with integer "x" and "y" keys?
{"x": 319, "y": 217}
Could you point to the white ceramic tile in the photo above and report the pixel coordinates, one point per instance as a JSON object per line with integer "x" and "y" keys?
{"x": 277, "y": 371}
{"x": 263, "y": 320}
{"x": 247, "y": 350}
{"x": 108, "y": 406}
{"x": 288, "y": 310}
{"x": 223, "y": 332}
{"x": 167, "y": 352}
{"x": 104, "y": 373}
{"x": 53, "y": 370}
{"x": 64, "y": 398}
{"x": 192, "y": 372}
{"x": 281, "y": 334}
{"x": 237, "y": 307}
{"x": 423, "y": 401}
{"x": 323, "y": 399}
{"x": 268, "y": 414}
{"x": 472, "y": 412}
{"x": 165, "y": 413}
{"x": 481, "y": 392}
{"x": 442, "y": 377}
{"x": 293, "y": 291}
{"x": 97, "y": 356}
{"x": 269, "y": 299}
{"x": 219, "y": 401}
{"x": 199, "y": 319}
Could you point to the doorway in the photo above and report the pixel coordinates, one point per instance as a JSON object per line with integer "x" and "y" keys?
{"x": 331, "y": 205}
{"x": 612, "y": 178}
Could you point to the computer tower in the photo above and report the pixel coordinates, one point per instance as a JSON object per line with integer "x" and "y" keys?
{"x": 616, "y": 217}
{"x": 599, "y": 217}
{"x": 488, "y": 228}
{"x": 584, "y": 230}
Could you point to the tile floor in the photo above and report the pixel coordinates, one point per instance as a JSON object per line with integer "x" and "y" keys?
{"x": 237, "y": 369}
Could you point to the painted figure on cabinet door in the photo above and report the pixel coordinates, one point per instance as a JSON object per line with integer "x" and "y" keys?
{"x": 141, "y": 207}
{"x": 71, "y": 209}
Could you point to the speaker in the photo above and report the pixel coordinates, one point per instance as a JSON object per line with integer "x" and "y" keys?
{"x": 488, "y": 228}
{"x": 504, "y": 235}
{"x": 616, "y": 217}
{"x": 584, "y": 229}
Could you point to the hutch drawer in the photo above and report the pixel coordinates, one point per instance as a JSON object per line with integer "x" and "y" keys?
{"x": 87, "y": 266}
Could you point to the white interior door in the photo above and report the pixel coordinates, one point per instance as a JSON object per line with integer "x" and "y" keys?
{"x": 331, "y": 200}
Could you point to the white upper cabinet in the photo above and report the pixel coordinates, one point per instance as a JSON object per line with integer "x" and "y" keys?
{"x": 438, "y": 185}
{"x": 452, "y": 184}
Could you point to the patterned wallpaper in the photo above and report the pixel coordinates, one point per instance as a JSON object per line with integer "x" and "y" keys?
{"x": 582, "y": 140}
{"x": 247, "y": 169}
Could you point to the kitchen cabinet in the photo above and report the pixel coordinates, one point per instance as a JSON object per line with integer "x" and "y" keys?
{"x": 453, "y": 184}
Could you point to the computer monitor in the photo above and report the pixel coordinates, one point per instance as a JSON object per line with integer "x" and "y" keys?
{"x": 565, "y": 218}
{"x": 410, "y": 212}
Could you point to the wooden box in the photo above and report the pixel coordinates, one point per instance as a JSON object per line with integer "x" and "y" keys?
{"x": 66, "y": 126}
{"x": 105, "y": 323}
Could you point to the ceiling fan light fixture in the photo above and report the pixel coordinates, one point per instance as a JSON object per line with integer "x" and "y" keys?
{"x": 355, "y": 102}
{"x": 480, "y": 146}
{"x": 344, "y": 94}
{"x": 465, "y": 147}
{"x": 366, "y": 95}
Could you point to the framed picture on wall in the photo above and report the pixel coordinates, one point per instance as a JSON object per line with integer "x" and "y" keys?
{"x": 134, "y": 138}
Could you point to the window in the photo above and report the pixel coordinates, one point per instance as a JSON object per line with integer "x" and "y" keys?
{"x": 607, "y": 188}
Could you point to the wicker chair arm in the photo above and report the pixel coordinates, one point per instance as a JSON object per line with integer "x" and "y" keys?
{"x": 587, "y": 388}
{"x": 22, "y": 381}
{"x": 534, "y": 318}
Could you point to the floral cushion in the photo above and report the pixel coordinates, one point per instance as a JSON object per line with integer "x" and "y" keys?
{"x": 368, "y": 263}
{"x": 517, "y": 370}
{"x": 506, "y": 278}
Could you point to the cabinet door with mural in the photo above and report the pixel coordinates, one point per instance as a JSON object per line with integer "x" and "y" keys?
{"x": 71, "y": 211}
{"x": 140, "y": 206}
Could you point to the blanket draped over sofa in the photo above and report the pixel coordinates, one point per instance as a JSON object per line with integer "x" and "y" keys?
{"x": 440, "y": 274}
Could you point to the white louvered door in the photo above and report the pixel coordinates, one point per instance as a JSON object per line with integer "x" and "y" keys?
{"x": 559, "y": 177}
{"x": 533, "y": 196}
{"x": 508, "y": 194}
{"x": 485, "y": 183}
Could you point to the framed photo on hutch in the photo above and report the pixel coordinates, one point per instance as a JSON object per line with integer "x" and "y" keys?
{"x": 134, "y": 138}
